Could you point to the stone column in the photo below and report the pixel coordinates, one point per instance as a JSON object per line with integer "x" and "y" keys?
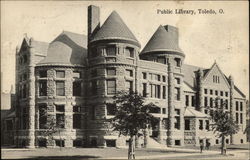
{"x": 160, "y": 135}
{"x": 200, "y": 91}
{"x": 231, "y": 103}
{"x": 31, "y": 98}
{"x": 171, "y": 111}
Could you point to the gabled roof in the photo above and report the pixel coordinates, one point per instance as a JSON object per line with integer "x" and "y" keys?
{"x": 162, "y": 40}
{"x": 191, "y": 112}
{"x": 114, "y": 28}
{"x": 67, "y": 49}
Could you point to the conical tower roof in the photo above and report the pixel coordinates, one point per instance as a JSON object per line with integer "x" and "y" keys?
{"x": 114, "y": 28}
{"x": 164, "y": 39}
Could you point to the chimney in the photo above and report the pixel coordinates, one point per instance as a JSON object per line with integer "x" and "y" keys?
{"x": 93, "y": 20}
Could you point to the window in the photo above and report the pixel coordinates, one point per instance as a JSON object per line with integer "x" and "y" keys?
{"x": 163, "y": 110}
{"x": 144, "y": 89}
{"x": 205, "y": 91}
{"x": 111, "y": 50}
{"x": 226, "y": 104}
{"x": 177, "y": 94}
{"x": 211, "y": 113}
{"x": 177, "y": 62}
{"x": 177, "y": 142}
{"x": 42, "y": 74}
{"x": 226, "y": 94}
{"x": 60, "y": 120}
{"x": 60, "y": 88}
{"x": 111, "y": 71}
{"x": 59, "y": 143}
{"x": 201, "y": 124}
{"x": 207, "y": 124}
{"x": 237, "y": 105}
{"x": 129, "y": 52}
{"x": 177, "y": 119}
{"x": 158, "y": 91}
{"x": 77, "y": 74}
{"x": 144, "y": 75}
{"x": 241, "y": 106}
{"x": 111, "y": 143}
{"x": 205, "y": 101}
{"x": 237, "y": 117}
{"x": 158, "y": 77}
{"x": 187, "y": 124}
{"x": 93, "y": 86}
{"x": 187, "y": 100}
{"x": 177, "y": 80}
{"x": 25, "y": 118}
{"x": 227, "y": 141}
{"x": 76, "y": 121}
{"x": 241, "y": 118}
{"x": 211, "y": 102}
{"x": 161, "y": 60}
{"x": 221, "y": 93}
{"x": 111, "y": 109}
{"x": 221, "y": 103}
{"x": 77, "y": 89}
{"x": 77, "y": 143}
{"x": 211, "y": 92}
{"x": 164, "y": 92}
{"x": 60, "y": 108}
{"x": 193, "y": 101}
{"x": 241, "y": 141}
{"x": 163, "y": 79}
{"x": 42, "y": 143}
{"x": 217, "y": 141}
{"x": 42, "y": 116}
{"x": 60, "y": 74}
{"x": 216, "y": 93}
{"x": 129, "y": 85}
{"x": 111, "y": 86}
{"x": 129, "y": 73}
{"x": 206, "y": 111}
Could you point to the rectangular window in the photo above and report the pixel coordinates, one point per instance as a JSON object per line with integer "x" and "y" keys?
{"x": 60, "y": 74}
{"x": 129, "y": 85}
{"x": 193, "y": 101}
{"x": 161, "y": 60}
{"x": 241, "y": 106}
{"x": 158, "y": 77}
{"x": 60, "y": 88}
{"x": 77, "y": 74}
{"x": 205, "y": 101}
{"x": 144, "y": 75}
{"x": 177, "y": 94}
{"x": 76, "y": 121}
{"x": 187, "y": 124}
{"x": 129, "y": 52}
{"x": 111, "y": 86}
{"x": 211, "y": 92}
{"x": 177, "y": 122}
{"x": 207, "y": 124}
{"x": 163, "y": 79}
{"x": 211, "y": 102}
{"x": 42, "y": 116}
{"x": 164, "y": 111}
{"x": 129, "y": 73}
{"x": 93, "y": 86}
{"x": 201, "y": 124}
{"x": 164, "y": 92}
{"x": 221, "y": 93}
{"x": 205, "y": 91}
{"x": 42, "y": 74}
{"x": 77, "y": 89}
{"x": 216, "y": 93}
{"x": 177, "y": 81}
{"x": 111, "y": 143}
{"x": 241, "y": 118}
{"x": 111, "y": 71}
{"x": 237, "y": 117}
{"x": 237, "y": 105}
{"x": 111, "y": 50}
{"x": 144, "y": 89}
{"x": 226, "y": 104}
{"x": 60, "y": 108}
{"x": 59, "y": 143}
{"x": 111, "y": 109}
{"x": 158, "y": 91}
{"x": 221, "y": 103}
{"x": 60, "y": 120}
{"x": 226, "y": 94}
{"x": 187, "y": 100}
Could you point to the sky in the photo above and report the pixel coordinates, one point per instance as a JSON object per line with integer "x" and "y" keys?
{"x": 204, "y": 38}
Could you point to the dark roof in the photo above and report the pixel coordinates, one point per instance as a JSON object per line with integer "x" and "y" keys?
{"x": 114, "y": 28}
{"x": 40, "y": 47}
{"x": 189, "y": 74}
{"x": 163, "y": 40}
{"x": 67, "y": 49}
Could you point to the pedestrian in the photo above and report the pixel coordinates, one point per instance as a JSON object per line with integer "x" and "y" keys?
{"x": 201, "y": 146}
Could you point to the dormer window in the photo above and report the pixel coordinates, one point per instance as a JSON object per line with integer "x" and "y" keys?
{"x": 129, "y": 52}
{"x": 111, "y": 50}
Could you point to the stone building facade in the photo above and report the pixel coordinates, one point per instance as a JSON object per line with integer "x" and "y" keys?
{"x": 72, "y": 79}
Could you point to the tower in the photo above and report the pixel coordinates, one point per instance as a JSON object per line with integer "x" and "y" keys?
{"x": 163, "y": 47}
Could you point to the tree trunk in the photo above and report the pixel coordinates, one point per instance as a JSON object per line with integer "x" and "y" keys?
{"x": 131, "y": 149}
{"x": 223, "y": 145}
